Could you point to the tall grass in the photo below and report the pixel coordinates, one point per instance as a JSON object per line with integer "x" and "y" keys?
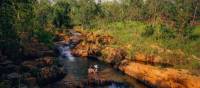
{"x": 139, "y": 37}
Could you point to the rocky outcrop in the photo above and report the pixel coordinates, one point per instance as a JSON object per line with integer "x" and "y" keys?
{"x": 90, "y": 44}
{"x": 113, "y": 55}
{"x": 161, "y": 78}
{"x": 36, "y": 49}
{"x": 147, "y": 58}
{"x": 85, "y": 49}
{"x": 43, "y": 69}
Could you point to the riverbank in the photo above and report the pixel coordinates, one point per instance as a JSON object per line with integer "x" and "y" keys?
{"x": 38, "y": 67}
{"x": 153, "y": 71}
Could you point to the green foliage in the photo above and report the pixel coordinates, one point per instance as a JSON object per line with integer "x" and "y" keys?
{"x": 149, "y": 31}
{"x": 195, "y": 34}
{"x": 61, "y": 10}
{"x": 44, "y": 36}
{"x": 9, "y": 39}
{"x": 4, "y": 84}
{"x": 44, "y": 14}
{"x": 85, "y": 12}
{"x": 25, "y": 16}
{"x": 167, "y": 33}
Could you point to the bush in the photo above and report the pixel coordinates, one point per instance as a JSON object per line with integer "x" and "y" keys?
{"x": 4, "y": 84}
{"x": 149, "y": 31}
{"x": 194, "y": 33}
{"x": 44, "y": 36}
{"x": 167, "y": 33}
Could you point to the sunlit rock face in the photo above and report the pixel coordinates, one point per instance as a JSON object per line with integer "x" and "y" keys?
{"x": 161, "y": 78}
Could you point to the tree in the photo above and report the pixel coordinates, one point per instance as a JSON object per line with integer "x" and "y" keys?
{"x": 62, "y": 19}
{"x": 25, "y": 12}
{"x": 16, "y": 17}
{"x": 9, "y": 39}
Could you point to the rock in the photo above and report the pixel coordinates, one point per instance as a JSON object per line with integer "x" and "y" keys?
{"x": 89, "y": 43}
{"x": 49, "y": 75}
{"x": 79, "y": 29}
{"x": 1, "y": 69}
{"x": 35, "y": 49}
{"x": 140, "y": 57}
{"x": 124, "y": 62}
{"x": 6, "y": 62}
{"x": 158, "y": 48}
{"x": 148, "y": 58}
{"x": 113, "y": 55}
{"x": 46, "y": 72}
{"x": 30, "y": 64}
{"x": 48, "y": 60}
{"x": 45, "y": 61}
{"x": 13, "y": 76}
{"x": 106, "y": 39}
{"x": 2, "y": 57}
{"x": 81, "y": 50}
{"x": 66, "y": 38}
{"x": 31, "y": 81}
{"x": 76, "y": 39}
{"x": 26, "y": 75}
{"x": 47, "y": 53}
{"x": 23, "y": 86}
{"x": 41, "y": 71}
{"x": 161, "y": 78}
{"x": 69, "y": 81}
{"x": 108, "y": 54}
{"x": 11, "y": 68}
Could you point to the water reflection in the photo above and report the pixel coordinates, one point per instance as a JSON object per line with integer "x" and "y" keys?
{"x": 76, "y": 69}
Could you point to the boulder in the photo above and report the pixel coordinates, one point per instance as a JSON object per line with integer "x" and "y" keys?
{"x": 148, "y": 58}
{"x": 106, "y": 39}
{"x": 31, "y": 81}
{"x": 13, "y": 75}
{"x": 81, "y": 50}
{"x": 30, "y": 65}
{"x": 50, "y": 73}
{"x": 44, "y": 61}
{"x": 113, "y": 55}
{"x": 6, "y": 62}
{"x": 109, "y": 54}
{"x": 11, "y": 68}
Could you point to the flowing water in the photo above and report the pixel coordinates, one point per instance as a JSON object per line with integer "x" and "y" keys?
{"x": 76, "y": 69}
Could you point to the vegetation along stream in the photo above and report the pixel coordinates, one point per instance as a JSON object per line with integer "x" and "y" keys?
{"x": 99, "y": 43}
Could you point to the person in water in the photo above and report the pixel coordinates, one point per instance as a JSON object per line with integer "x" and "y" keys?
{"x": 96, "y": 68}
{"x": 91, "y": 74}
{"x": 91, "y": 70}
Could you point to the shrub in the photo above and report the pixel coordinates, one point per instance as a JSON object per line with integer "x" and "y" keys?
{"x": 44, "y": 36}
{"x": 149, "y": 31}
{"x": 167, "y": 33}
{"x": 194, "y": 33}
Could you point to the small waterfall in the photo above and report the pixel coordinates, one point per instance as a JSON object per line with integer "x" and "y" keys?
{"x": 66, "y": 53}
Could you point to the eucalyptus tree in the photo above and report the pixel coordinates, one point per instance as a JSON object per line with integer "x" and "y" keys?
{"x": 61, "y": 14}
{"x": 9, "y": 39}
{"x": 16, "y": 18}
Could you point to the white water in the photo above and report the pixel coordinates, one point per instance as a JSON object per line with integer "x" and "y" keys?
{"x": 65, "y": 52}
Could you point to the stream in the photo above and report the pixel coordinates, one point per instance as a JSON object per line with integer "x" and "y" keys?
{"x": 76, "y": 69}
